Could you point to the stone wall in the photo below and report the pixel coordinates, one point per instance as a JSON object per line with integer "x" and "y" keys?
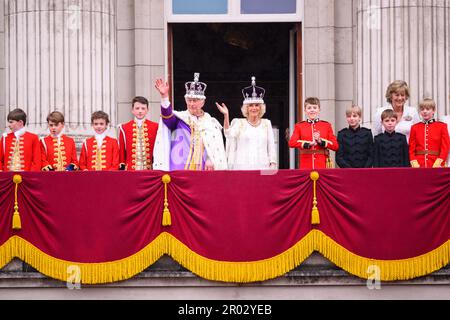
{"x": 141, "y": 53}
{"x": 315, "y": 278}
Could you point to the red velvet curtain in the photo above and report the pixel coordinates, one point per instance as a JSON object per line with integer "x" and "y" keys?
{"x": 241, "y": 216}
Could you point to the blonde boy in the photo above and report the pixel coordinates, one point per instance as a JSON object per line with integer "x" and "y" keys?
{"x": 429, "y": 141}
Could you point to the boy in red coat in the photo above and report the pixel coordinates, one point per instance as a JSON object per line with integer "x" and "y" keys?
{"x": 137, "y": 138}
{"x": 100, "y": 152}
{"x": 58, "y": 150}
{"x": 314, "y": 138}
{"x": 429, "y": 140}
{"x": 19, "y": 150}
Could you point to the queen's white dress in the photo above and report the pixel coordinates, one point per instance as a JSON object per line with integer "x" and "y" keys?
{"x": 250, "y": 147}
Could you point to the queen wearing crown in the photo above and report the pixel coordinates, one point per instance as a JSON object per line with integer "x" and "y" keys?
{"x": 190, "y": 139}
{"x": 250, "y": 142}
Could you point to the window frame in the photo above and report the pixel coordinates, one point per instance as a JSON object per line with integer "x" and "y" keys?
{"x": 234, "y": 15}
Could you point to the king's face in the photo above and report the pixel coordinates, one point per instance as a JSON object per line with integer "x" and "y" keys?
{"x": 195, "y": 106}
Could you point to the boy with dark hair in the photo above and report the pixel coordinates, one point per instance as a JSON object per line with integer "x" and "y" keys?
{"x": 314, "y": 138}
{"x": 19, "y": 150}
{"x": 355, "y": 142}
{"x": 137, "y": 138}
{"x": 100, "y": 152}
{"x": 429, "y": 141}
{"x": 58, "y": 150}
{"x": 390, "y": 147}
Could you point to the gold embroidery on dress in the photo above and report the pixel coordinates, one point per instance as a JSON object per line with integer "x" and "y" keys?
{"x": 60, "y": 155}
{"x": 140, "y": 136}
{"x": 196, "y": 152}
{"x": 16, "y": 163}
{"x": 98, "y": 156}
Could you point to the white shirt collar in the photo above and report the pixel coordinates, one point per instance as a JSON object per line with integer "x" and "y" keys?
{"x": 20, "y": 132}
{"x": 139, "y": 122}
{"x": 100, "y": 138}
{"x": 58, "y": 136}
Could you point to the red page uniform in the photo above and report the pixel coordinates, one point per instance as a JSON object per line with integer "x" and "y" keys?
{"x": 136, "y": 144}
{"x": 318, "y": 156}
{"x": 428, "y": 142}
{"x": 100, "y": 158}
{"x": 20, "y": 154}
{"x": 58, "y": 153}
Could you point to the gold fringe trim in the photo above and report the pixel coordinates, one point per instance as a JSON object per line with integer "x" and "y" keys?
{"x": 90, "y": 273}
{"x": 240, "y": 272}
{"x": 390, "y": 270}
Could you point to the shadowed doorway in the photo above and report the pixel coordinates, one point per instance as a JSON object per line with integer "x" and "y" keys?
{"x": 227, "y": 56}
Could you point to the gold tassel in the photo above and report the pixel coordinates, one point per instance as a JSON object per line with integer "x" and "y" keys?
{"x": 315, "y": 217}
{"x": 330, "y": 164}
{"x": 16, "y": 223}
{"x": 167, "y": 220}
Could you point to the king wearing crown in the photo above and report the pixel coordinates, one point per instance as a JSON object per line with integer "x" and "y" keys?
{"x": 190, "y": 139}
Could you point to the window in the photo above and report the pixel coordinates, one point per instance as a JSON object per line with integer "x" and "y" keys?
{"x": 268, "y": 6}
{"x": 234, "y": 11}
{"x": 200, "y": 7}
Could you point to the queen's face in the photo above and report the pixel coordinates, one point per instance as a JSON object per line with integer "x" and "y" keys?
{"x": 254, "y": 109}
{"x": 195, "y": 106}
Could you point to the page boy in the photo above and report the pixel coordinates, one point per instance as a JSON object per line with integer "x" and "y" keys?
{"x": 314, "y": 138}
{"x": 58, "y": 150}
{"x": 100, "y": 152}
{"x": 355, "y": 142}
{"x": 390, "y": 147}
{"x": 137, "y": 138}
{"x": 19, "y": 150}
{"x": 428, "y": 141}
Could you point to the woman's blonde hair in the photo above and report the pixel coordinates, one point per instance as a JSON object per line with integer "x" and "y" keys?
{"x": 396, "y": 86}
{"x": 262, "y": 110}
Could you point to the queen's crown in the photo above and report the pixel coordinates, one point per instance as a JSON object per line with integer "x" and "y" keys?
{"x": 253, "y": 94}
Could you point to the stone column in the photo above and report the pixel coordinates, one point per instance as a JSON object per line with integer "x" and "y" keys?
{"x": 2, "y": 68}
{"x": 60, "y": 55}
{"x": 140, "y": 54}
{"x": 329, "y": 57}
{"x": 403, "y": 40}
{"x": 319, "y": 55}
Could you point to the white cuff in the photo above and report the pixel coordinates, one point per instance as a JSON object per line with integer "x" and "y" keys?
{"x": 165, "y": 103}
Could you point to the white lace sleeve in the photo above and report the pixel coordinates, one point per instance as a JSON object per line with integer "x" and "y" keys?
{"x": 233, "y": 130}
{"x": 271, "y": 143}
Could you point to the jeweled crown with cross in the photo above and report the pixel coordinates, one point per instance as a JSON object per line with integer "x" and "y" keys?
{"x": 253, "y": 94}
{"x": 195, "y": 89}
